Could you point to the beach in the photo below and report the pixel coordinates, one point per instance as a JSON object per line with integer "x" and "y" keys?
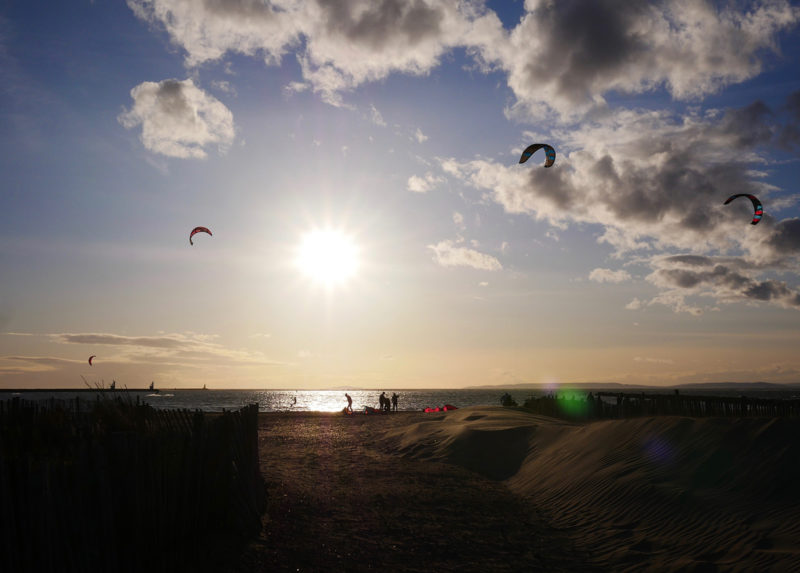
{"x": 499, "y": 489}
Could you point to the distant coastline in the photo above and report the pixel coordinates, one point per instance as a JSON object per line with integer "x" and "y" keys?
{"x": 622, "y": 387}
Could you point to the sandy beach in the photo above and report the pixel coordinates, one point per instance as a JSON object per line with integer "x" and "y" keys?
{"x": 494, "y": 489}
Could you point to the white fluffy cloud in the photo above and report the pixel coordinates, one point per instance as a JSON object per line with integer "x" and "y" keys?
{"x": 447, "y": 254}
{"x": 178, "y": 119}
{"x": 609, "y": 276}
{"x": 425, "y": 183}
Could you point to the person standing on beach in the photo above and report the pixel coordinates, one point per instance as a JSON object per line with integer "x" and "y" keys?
{"x": 382, "y": 401}
{"x": 349, "y": 403}
{"x": 394, "y": 401}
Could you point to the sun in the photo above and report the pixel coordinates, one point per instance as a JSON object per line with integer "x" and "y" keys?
{"x": 327, "y": 256}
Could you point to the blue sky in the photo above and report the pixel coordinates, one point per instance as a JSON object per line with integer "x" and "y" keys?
{"x": 397, "y": 127}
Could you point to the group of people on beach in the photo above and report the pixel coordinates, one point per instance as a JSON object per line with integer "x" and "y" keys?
{"x": 386, "y": 404}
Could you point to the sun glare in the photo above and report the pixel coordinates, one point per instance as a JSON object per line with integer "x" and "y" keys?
{"x": 327, "y": 256}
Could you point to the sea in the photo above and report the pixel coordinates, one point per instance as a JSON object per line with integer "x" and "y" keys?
{"x": 279, "y": 400}
{"x": 334, "y": 400}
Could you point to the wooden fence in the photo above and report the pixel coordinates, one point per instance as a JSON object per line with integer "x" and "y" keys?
{"x": 117, "y": 486}
{"x": 602, "y": 405}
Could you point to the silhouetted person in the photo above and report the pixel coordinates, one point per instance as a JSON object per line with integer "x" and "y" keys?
{"x": 349, "y": 403}
{"x": 394, "y": 401}
{"x": 382, "y": 400}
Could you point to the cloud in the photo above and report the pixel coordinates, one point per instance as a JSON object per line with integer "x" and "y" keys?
{"x": 711, "y": 278}
{"x": 654, "y": 184}
{"x": 208, "y": 29}
{"x": 174, "y": 348}
{"x": 376, "y": 117}
{"x": 635, "y": 304}
{"x": 563, "y": 56}
{"x": 340, "y": 44}
{"x": 116, "y": 340}
{"x": 447, "y": 254}
{"x": 652, "y": 179}
{"x": 419, "y": 136}
{"x": 178, "y": 119}
{"x": 653, "y": 360}
{"x": 567, "y": 55}
{"x": 425, "y": 183}
{"x": 609, "y": 276}
{"x": 44, "y": 362}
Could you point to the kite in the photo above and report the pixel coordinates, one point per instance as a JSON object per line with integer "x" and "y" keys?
{"x": 90, "y": 359}
{"x": 445, "y": 408}
{"x": 758, "y": 210}
{"x": 550, "y": 153}
{"x": 198, "y": 230}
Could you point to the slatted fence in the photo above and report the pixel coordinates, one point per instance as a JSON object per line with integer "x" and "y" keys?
{"x": 603, "y": 405}
{"x": 117, "y": 486}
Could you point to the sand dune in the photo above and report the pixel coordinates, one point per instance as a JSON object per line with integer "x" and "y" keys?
{"x": 665, "y": 494}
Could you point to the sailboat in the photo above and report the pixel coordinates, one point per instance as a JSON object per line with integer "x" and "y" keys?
{"x": 204, "y": 387}
{"x": 152, "y": 388}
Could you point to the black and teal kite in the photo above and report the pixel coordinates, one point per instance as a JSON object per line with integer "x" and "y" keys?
{"x": 550, "y": 153}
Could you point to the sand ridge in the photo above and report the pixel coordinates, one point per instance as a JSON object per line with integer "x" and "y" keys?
{"x": 661, "y": 494}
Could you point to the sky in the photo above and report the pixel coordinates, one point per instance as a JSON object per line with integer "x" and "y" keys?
{"x": 357, "y": 163}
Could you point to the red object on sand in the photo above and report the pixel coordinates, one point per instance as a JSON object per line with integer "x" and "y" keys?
{"x": 445, "y": 408}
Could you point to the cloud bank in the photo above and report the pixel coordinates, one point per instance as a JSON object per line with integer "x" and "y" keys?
{"x": 562, "y": 56}
{"x": 654, "y": 183}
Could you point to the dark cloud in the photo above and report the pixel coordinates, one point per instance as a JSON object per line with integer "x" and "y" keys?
{"x": 115, "y": 340}
{"x": 171, "y": 99}
{"x": 244, "y": 9}
{"x": 792, "y": 105}
{"x": 554, "y": 186}
{"x": 785, "y": 237}
{"x": 726, "y": 284}
{"x": 50, "y": 361}
{"x": 583, "y": 41}
{"x": 789, "y": 136}
{"x": 382, "y": 21}
{"x": 569, "y": 54}
{"x": 748, "y": 126}
{"x": 690, "y": 260}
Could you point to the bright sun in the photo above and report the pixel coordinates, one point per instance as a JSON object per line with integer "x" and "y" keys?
{"x": 327, "y": 256}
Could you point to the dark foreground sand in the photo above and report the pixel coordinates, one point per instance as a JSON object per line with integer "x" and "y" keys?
{"x": 494, "y": 489}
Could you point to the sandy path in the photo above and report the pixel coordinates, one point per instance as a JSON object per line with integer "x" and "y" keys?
{"x": 341, "y": 500}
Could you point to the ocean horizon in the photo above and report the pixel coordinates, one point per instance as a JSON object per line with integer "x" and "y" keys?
{"x": 334, "y": 400}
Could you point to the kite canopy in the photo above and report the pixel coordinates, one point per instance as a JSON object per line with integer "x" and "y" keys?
{"x": 91, "y": 358}
{"x": 198, "y": 230}
{"x": 550, "y": 153}
{"x": 445, "y": 408}
{"x": 758, "y": 210}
